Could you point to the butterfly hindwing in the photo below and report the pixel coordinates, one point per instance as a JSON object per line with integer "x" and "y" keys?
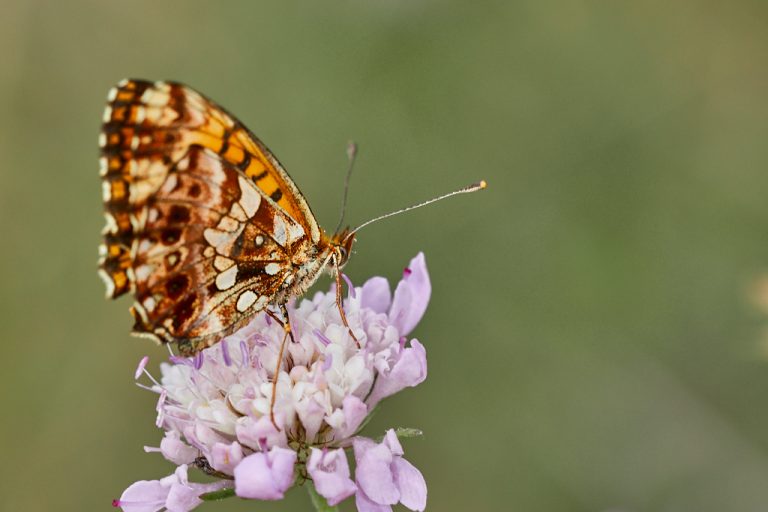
{"x": 203, "y": 266}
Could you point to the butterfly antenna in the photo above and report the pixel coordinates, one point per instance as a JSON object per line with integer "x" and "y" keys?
{"x": 351, "y": 156}
{"x": 464, "y": 190}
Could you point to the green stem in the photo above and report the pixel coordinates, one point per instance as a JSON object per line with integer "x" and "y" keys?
{"x": 218, "y": 495}
{"x": 318, "y": 501}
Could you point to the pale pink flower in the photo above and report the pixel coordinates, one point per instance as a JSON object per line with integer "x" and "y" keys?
{"x": 329, "y": 470}
{"x": 173, "y": 493}
{"x": 215, "y": 407}
{"x": 265, "y": 476}
{"x": 174, "y": 449}
{"x": 385, "y": 478}
{"x": 225, "y": 457}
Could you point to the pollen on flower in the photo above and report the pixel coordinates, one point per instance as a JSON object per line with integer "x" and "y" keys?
{"x": 221, "y": 410}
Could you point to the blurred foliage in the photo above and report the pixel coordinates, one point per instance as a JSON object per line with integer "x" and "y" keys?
{"x": 591, "y": 342}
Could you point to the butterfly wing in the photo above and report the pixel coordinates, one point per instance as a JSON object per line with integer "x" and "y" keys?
{"x": 203, "y": 224}
{"x": 147, "y": 123}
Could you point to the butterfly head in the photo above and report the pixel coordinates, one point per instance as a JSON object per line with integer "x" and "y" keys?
{"x": 341, "y": 245}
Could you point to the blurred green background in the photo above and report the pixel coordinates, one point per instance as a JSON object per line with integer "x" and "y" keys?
{"x": 591, "y": 340}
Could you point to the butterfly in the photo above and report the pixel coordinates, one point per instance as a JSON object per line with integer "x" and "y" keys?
{"x": 203, "y": 224}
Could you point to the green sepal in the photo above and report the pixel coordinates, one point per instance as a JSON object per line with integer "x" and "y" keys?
{"x": 218, "y": 495}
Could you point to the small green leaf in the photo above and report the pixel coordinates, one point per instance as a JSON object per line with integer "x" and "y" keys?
{"x": 404, "y": 432}
{"x": 218, "y": 495}
{"x": 318, "y": 501}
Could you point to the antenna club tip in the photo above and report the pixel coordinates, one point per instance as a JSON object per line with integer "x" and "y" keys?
{"x": 480, "y": 185}
{"x": 351, "y": 149}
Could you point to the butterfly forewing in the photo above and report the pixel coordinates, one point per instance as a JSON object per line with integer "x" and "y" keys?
{"x": 203, "y": 225}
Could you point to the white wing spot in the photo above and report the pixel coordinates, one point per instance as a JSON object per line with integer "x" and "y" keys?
{"x": 149, "y": 304}
{"x": 215, "y": 237}
{"x": 222, "y": 263}
{"x": 106, "y": 191}
{"x": 102, "y": 139}
{"x": 250, "y": 199}
{"x": 111, "y": 224}
{"x": 141, "y": 311}
{"x": 172, "y": 259}
{"x": 156, "y": 97}
{"x": 246, "y": 300}
{"x": 144, "y": 271}
{"x": 259, "y": 240}
{"x": 278, "y": 227}
{"x": 107, "y": 117}
{"x": 237, "y": 212}
{"x": 169, "y": 184}
{"x": 272, "y": 268}
{"x": 141, "y": 114}
{"x": 144, "y": 246}
{"x": 227, "y": 279}
{"x": 295, "y": 231}
{"x": 228, "y": 224}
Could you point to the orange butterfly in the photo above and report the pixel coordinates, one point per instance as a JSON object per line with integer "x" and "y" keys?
{"x": 204, "y": 226}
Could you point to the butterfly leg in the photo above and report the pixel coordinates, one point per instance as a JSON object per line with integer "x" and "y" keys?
{"x": 340, "y": 305}
{"x": 288, "y": 333}
{"x": 282, "y": 324}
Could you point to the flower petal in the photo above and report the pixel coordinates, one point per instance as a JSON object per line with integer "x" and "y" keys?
{"x": 250, "y": 432}
{"x": 365, "y": 504}
{"x": 282, "y": 461}
{"x": 176, "y": 450}
{"x": 265, "y": 476}
{"x": 144, "y": 496}
{"x": 411, "y": 296}
{"x": 330, "y": 472}
{"x": 392, "y": 442}
{"x": 182, "y": 498}
{"x": 410, "y": 369}
{"x": 355, "y": 412}
{"x": 311, "y": 414}
{"x": 224, "y": 457}
{"x": 376, "y": 295}
{"x": 253, "y": 479}
{"x": 373, "y": 473}
{"x": 411, "y": 484}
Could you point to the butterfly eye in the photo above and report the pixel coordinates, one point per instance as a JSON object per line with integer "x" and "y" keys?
{"x": 342, "y": 256}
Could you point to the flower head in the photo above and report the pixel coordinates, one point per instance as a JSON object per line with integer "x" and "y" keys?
{"x": 229, "y": 412}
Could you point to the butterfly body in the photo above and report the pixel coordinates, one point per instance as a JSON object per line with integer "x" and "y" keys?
{"x": 204, "y": 226}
